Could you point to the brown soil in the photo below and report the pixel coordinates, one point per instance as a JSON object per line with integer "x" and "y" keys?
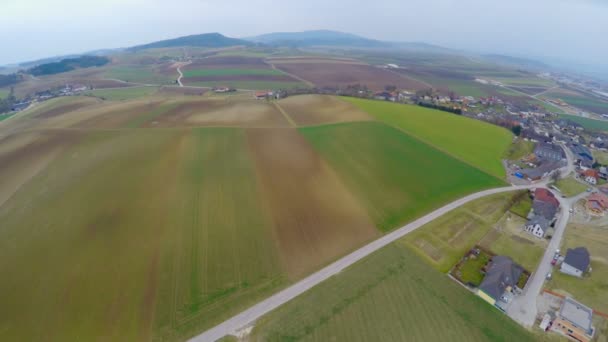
{"x": 117, "y": 115}
{"x": 315, "y": 218}
{"x": 232, "y": 61}
{"x": 321, "y": 109}
{"x": 227, "y": 78}
{"x": 61, "y": 109}
{"x": 332, "y": 74}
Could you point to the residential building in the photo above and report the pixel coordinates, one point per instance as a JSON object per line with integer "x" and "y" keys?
{"x": 597, "y": 203}
{"x": 500, "y": 280}
{"x": 537, "y": 226}
{"x": 574, "y": 320}
{"x": 545, "y": 195}
{"x": 577, "y": 262}
{"x": 581, "y": 152}
{"x": 590, "y": 176}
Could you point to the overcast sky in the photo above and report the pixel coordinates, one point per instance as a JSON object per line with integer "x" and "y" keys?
{"x": 572, "y": 30}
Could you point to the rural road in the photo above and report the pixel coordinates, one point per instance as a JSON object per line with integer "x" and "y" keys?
{"x": 181, "y": 75}
{"x": 249, "y": 316}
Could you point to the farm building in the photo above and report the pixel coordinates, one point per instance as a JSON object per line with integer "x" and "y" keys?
{"x": 597, "y": 203}
{"x": 549, "y": 152}
{"x": 577, "y": 262}
{"x": 500, "y": 280}
{"x": 261, "y": 95}
{"x": 574, "y": 320}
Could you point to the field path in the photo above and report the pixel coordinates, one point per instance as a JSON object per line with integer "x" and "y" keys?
{"x": 287, "y": 117}
{"x": 249, "y": 316}
{"x": 181, "y": 74}
{"x": 308, "y": 83}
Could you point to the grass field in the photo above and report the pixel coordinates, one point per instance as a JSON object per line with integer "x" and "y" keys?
{"x": 445, "y": 240}
{"x": 601, "y": 157}
{"x": 396, "y": 176}
{"x": 570, "y": 186}
{"x": 591, "y": 289}
{"x": 592, "y": 124}
{"x": 586, "y": 103}
{"x": 251, "y": 85}
{"x": 140, "y": 74}
{"x": 483, "y": 149}
{"x": 389, "y": 296}
{"x": 522, "y": 207}
{"x": 525, "y": 81}
{"x": 120, "y": 94}
{"x": 519, "y": 149}
{"x": 4, "y": 93}
{"x": 308, "y": 110}
{"x": 231, "y": 72}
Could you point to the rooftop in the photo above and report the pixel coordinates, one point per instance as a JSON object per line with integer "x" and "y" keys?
{"x": 577, "y": 314}
{"x": 578, "y": 258}
{"x": 502, "y": 273}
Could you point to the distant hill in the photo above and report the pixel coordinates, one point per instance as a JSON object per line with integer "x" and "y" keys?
{"x": 68, "y": 64}
{"x": 212, "y": 40}
{"x": 317, "y": 38}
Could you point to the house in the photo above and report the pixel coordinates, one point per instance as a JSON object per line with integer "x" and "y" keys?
{"x": 597, "y": 203}
{"x": 581, "y": 152}
{"x": 537, "y": 226}
{"x": 544, "y": 209}
{"x": 549, "y": 152}
{"x": 574, "y": 320}
{"x": 537, "y": 173}
{"x": 576, "y": 262}
{"x": 603, "y": 172}
{"x": 500, "y": 280}
{"x": 590, "y": 176}
{"x": 261, "y": 95}
{"x": 544, "y": 195}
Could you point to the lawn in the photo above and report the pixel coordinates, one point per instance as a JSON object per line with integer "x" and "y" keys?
{"x": 519, "y": 149}
{"x": 570, "y": 186}
{"x": 477, "y": 143}
{"x": 230, "y": 72}
{"x": 470, "y": 269}
{"x": 523, "y": 205}
{"x": 446, "y": 239}
{"x": 592, "y": 124}
{"x": 121, "y": 94}
{"x": 591, "y": 289}
{"x": 397, "y": 177}
{"x": 601, "y": 157}
{"x": 390, "y": 295}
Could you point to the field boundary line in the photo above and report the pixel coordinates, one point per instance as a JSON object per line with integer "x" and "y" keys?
{"x": 287, "y": 117}
{"x": 274, "y": 67}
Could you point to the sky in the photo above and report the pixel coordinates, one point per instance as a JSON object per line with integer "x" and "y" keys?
{"x": 573, "y": 31}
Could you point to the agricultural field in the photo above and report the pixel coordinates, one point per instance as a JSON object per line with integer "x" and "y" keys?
{"x": 591, "y": 289}
{"x": 307, "y": 110}
{"x": 120, "y": 94}
{"x": 592, "y": 124}
{"x": 325, "y": 72}
{"x": 375, "y": 161}
{"x": 4, "y": 93}
{"x": 144, "y": 74}
{"x": 580, "y": 100}
{"x": 389, "y": 296}
{"x": 483, "y": 150}
{"x": 445, "y": 240}
{"x": 238, "y": 72}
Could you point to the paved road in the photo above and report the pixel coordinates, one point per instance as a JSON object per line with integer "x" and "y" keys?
{"x": 249, "y": 316}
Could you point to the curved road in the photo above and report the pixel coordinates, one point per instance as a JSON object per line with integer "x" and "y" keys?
{"x": 249, "y": 316}
{"x": 523, "y": 308}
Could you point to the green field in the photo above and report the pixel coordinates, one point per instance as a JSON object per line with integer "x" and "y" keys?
{"x": 586, "y": 103}
{"x": 4, "y": 93}
{"x": 389, "y": 296}
{"x": 136, "y": 235}
{"x": 601, "y": 157}
{"x": 446, "y": 239}
{"x": 251, "y": 85}
{"x": 525, "y": 81}
{"x": 482, "y": 147}
{"x": 570, "y": 186}
{"x": 230, "y": 72}
{"x": 396, "y": 176}
{"x": 592, "y": 124}
{"x": 120, "y": 94}
{"x": 519, "y": 149}
{"x": 140, "y": 74}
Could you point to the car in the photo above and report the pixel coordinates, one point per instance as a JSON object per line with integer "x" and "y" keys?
{"x": 553, "y": 262}
{"x": 548, "y": 277}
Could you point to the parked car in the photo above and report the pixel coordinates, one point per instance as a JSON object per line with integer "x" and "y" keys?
{"x": 548, "y": 277}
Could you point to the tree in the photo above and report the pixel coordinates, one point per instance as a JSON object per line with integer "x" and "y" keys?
{"x": 516, "y": 130}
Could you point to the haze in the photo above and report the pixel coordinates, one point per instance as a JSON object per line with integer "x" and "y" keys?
{"x": 559, "y": 30}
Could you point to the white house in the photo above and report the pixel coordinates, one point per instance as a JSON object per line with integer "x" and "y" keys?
{"x": 537, "y": 226}
{"x": 576, "y": 262}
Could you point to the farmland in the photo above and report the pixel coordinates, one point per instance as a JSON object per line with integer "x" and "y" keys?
{"x": 482, "y": 150}
{"x": 208, "y": 220}
{"x": 390, "y": 295}
{"x": 237, "y": 71}
{"x": 340, "y": 73}
{"x": 592, "y": 124}
{"x": 376, "y": 161}
{"x": 148, "y": 74}
{"x": 125, "y": 93}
